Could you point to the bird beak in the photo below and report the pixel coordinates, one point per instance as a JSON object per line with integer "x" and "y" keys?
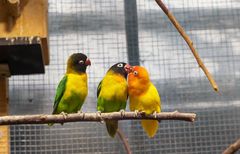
{"x": 128, "y": 68}
{"x": 87, "y": 62}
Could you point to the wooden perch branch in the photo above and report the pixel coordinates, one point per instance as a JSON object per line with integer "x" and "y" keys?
{"x": 189, "y": 42}
{"x": 94, "y": 117}
{"x": 233, "y": 148}
{"x": 124, "y": 140}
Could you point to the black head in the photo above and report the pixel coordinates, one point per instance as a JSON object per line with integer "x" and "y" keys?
{"x": 120, "y": 68}
{"x": 78, "y": 62}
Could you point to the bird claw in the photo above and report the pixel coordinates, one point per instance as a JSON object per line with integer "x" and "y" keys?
{"x": 176, "y": 111}
{"x": 122, "y": 113}
{"x": 65, "y": 115}
{"x": 98, "y": 113}
{"x": 81, "y": 112}
{"x": 100, "y": 117}
{"x": 136, "y": 113}
{"x": 155, "y": 114}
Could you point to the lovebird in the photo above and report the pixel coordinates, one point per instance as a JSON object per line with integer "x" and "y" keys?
{"x": 144, "y": 97}
{"x": 112, "y": 93}
{"x": 73, "y": 88}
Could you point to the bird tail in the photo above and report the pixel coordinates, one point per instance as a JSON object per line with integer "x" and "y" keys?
{"x": 150, "y": 127}
{"x": 112, "y": 126}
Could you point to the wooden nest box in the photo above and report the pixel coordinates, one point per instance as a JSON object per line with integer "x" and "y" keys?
{"x": 23, "y": 37}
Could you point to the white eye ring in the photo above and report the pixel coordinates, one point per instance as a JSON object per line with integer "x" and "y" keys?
{"x": 81, "y": 62}
{"x": 120, "y": 65}
{"x": 135, "y": 73}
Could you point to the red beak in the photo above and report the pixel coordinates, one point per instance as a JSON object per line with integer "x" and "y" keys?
{"x": 128, "y": 68}
{"x": 87, "y": 62}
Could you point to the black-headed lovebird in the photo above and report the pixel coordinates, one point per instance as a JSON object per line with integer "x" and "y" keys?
{"x": 144, "y": 97}
{"x": 73, "y": 88}
{"x": 112, "y": 93}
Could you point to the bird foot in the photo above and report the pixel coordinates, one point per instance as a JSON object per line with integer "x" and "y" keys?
{"x": 81, "y": 112}
{"x": 136, "y": 113}
{"x": 155, "y": 114}
{"x": 176, "y": 111}
{"x": 98, "y": 113}
{"x": 142, "y": 112}
{"x": 65, "y": 115}
{"x": 122, "y": 113}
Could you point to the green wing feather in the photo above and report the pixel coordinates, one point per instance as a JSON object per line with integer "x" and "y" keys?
{"x": 99, "y": 88}
{"x": 60, "y": 91}
{"x": 99, "y": 101}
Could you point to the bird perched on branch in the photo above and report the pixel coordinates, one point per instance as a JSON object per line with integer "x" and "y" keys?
{"x": 112, "y": 93}
{"x": 73, "y": 88}
{"x": 143, "y": 97}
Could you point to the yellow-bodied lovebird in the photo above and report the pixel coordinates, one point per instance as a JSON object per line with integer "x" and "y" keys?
{"x": 73, "y": 88}
{"x": 112, "y": 93}
{"x": 144, "y": 97}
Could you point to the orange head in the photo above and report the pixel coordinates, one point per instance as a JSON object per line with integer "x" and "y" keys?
{"x": 138, "y": 80}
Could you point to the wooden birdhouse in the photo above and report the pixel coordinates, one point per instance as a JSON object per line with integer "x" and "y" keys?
{"x": 23, "y": 36}
{"x": 23, "y": 47}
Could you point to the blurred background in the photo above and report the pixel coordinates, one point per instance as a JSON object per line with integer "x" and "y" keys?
{"x": 138, "y": 32}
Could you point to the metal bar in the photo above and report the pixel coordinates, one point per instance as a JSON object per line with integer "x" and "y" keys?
{"x": 131, "y": 25}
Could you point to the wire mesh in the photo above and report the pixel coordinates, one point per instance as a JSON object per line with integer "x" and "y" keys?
{"x": 97, "y": 28}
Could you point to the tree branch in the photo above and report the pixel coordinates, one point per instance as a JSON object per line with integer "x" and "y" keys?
{"x": 94, "y": 117}
{"x": 124, "y": 140}
{"x": 189, "y": 42}
{"x": 233, "y": 148}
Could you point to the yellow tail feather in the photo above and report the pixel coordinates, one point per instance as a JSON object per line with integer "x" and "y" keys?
{"x": 150, "y": 127}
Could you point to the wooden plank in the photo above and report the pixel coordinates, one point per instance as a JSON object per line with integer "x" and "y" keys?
{"x": 4, "y": 140}
{"x": 22, "y": 54}
{"x": 4, "y": 130}
{"x": 4, "y": 70}
{"x": 33, "y": 21}
{"x": 3, "y": 96}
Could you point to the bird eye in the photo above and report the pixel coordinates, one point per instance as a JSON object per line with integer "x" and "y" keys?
{"x": 135, "y": 73}
{"x": 120, "y": 65}
{"x": 81, "y": 62}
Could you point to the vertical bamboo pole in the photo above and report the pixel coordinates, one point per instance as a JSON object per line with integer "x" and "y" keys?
{"x": 4, "y": 130}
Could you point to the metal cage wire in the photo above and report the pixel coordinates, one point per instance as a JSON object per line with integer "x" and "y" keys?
{"x": 98, "y": 29}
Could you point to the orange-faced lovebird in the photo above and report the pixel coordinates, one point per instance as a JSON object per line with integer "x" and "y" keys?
{"x": 73, "y": 88}
{"x": 112, "y": 93}
{"x": 144, "y": 97}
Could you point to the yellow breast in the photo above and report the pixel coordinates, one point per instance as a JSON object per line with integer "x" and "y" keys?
{"x": 114, "y": 86}
{"x": 148, "y": 101}
{"x": 78, "y": 84}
